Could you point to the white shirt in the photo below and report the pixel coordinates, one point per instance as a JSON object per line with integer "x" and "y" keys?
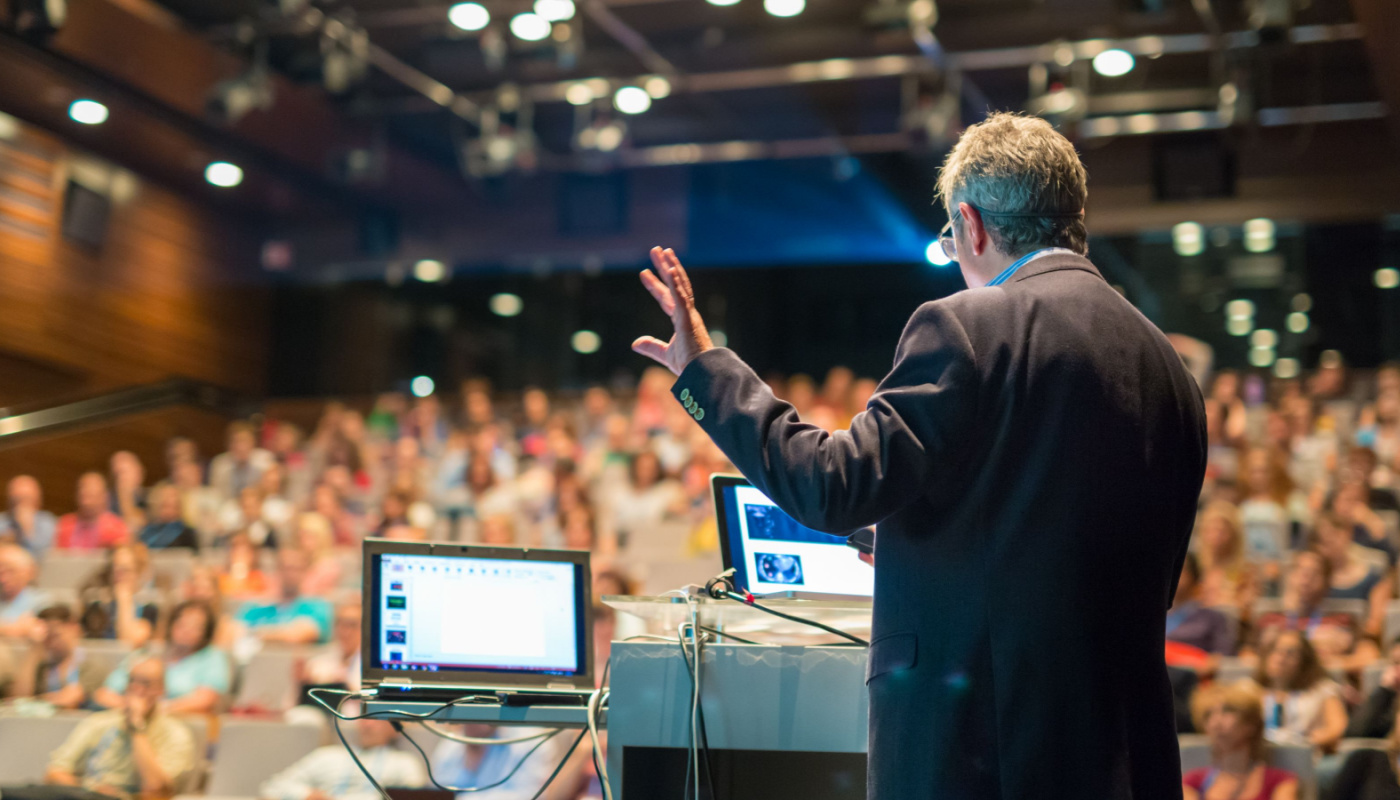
{"x": 331, "y": 770}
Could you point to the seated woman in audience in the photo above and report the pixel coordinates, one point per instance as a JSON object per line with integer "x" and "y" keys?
{"x": 1351, "y": 503}
{"x": 1353, "y": 578}
{"x": 1335, "y": 635}
{"x": 1204, "y": 630}
{"x": 498, "y": 529}
{"x": 314, "y": 537}
{"x": 242, "y": 576}
{"x": 111, "y": 608}
{"x": 202, "y": 583}
{"x": 244, "y": 514}
{"x": 1272, "y": 507}
{"x": 197, "y": 674}
{"x": 1227, "y": 577}
{"x": 1232, "y": 717}
{"x": 54, "y": 668}
{"x": 1369, "y": 774}
{"x": 1302, "y": 705}
{"x": 1375, "y": 717}
{"x": 167, "y": 526}
{"x": 648, "y": 499}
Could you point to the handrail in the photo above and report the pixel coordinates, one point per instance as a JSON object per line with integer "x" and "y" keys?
{"x": 21, "y": 427}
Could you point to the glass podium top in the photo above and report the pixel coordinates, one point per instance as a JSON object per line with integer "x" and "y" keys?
{"x": 663, "y": 614}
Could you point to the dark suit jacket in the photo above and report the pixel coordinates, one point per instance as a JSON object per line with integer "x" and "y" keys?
{"x": 1033, "y": 461}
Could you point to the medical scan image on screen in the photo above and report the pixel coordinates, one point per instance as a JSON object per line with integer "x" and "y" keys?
{"x": 780, "y": 554}
{"x": 442, "y": 613}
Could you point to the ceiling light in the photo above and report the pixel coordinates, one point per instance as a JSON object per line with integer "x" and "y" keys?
{"x": 579, "y": 94}
{"x": 609, "y": 137}
{"x": 1239, "y": 326}
{"x": 506, "y": 304}
{"x": 1263, "y": 338}
{"x": 1302, "y": 302}
{"x": 1298, "y": 322}
{"x": 1188, "y": 239}
{"x": 722, "y": 2}
{"x": 1261, "y": 356}
{"x": 88, "y": 112}
{"x": 555, "y": 10}
{"x": 1259, "y": 235}
{"x": 935, "y": 255}
{"x": 585, "y": 342}
{"x": 469, "y": 16}
{"x": 1239, "y": 309}
{"x": 422, "y": 386}
{"x": 1387, "y": 278}
{"x": 429, "y": 270}
{"x": 1114, "y": 63}
{"x": 658, "y": 87}
{"x": 223, "y": 174}
{"x": 530, "y": 27}
{"x": 632, "y": 100}
{"x": 1286, "y": 368}
{"x": 784, "y": 8}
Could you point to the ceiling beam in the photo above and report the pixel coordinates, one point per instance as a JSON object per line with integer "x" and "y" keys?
{"x": 1381, "y": 21}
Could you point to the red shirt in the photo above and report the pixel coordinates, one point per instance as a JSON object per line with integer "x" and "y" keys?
{"x": 107, "y": 530}
{"x": 1200, "y": 779}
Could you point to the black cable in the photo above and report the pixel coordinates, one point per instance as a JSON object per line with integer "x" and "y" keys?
{"x": 335, "y": 717}
{"x": 562, "y": 762}
{"x": 427, "y": 762}
{"x": 723, "y": 593}
{"x": 718, "y": 632}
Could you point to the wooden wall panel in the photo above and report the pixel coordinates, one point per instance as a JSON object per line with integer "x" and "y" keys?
{"x": 174, "y": 290}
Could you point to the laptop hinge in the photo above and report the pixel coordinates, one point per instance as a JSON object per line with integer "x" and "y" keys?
{"x": 397, "y": 683}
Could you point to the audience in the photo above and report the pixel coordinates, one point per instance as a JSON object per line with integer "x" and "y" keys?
{"x": 1334, "y": 634}
{"x": 1232, "y": 718}
{"x": 197, "y": 674}
{"x": 137, "y": 749}
{"x": 116, "y": 599}
{"x": 462, "y": 765}
{"x": 1199, "y": 627}
{"x": 25, "y": 522}
{"x": 167, "y": 526}
{"x": 1227, "y": 576}
{"x": 288, "y": 617}
{"x": 19, "y": 600}
{"x": 1353, "y": 578}
{"x": 242, "y": 465}
{"x": 1302, "y": 705}
{"x": 328, "y": 773}
{"x": 339, "y": 663}
{"x": 55, "y": 668}
{"x": 93, "y": 525}
{"x": 1375, "y": 717}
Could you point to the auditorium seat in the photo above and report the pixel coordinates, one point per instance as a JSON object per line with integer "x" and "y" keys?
{"x": 1349, "y": 745}
{"x": 172, "y": 565}
{"x": 1233, "y": 670}
{"x": 268, "y": 679}
{"x": 28, "y": 741}
{"x": 65, "y": 570}
{"x": 251, "y": 751}
{"x": 1301, "y": 761}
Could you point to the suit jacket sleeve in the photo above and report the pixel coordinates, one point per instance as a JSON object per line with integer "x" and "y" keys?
{"x": 906, "y": 439}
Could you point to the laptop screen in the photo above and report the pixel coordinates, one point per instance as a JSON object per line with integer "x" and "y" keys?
{"x": 459, "y": 613}
{"x": 772, "y": 552}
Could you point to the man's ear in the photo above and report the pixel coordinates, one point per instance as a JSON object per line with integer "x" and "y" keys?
{"x": 972, "y": 223}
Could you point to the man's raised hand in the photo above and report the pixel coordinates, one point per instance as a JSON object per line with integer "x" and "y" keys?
{"x": 676, "y": 297}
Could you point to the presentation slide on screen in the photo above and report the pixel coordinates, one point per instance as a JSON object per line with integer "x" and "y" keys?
{"x": 467, "y": 613}
{"x": 782, "y": 555}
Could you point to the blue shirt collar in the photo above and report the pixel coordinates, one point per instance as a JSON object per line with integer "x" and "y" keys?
{"x": 1024, "y": 260}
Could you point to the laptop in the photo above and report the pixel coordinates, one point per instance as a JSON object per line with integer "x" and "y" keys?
{"x": 774, "y": 555}
{"x": 507, "y": 625}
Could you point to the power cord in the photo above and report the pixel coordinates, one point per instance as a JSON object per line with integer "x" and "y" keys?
{"x": 721, "y": 587}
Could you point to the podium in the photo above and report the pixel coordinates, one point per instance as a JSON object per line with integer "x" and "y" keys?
{"x": 782, "y": 721}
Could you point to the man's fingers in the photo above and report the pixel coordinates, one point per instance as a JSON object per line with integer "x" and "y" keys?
{"x": 651, "y": 347}
{"x": 680, "y": 280}
{"x": 659, "y": 291}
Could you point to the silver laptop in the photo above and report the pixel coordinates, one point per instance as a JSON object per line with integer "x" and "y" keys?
{"x": 448, "y": 620}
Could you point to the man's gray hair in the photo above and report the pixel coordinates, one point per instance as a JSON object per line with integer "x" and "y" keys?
{"x": 1019, "y": 165}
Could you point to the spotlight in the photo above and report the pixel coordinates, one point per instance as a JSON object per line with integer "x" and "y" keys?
{"x": 88, "y": 112}
{"x": 530, "y": 27}
{"x": 1239, "y": 326}
{"x": 422, "y": 386}
{"x": 223, "y": 174}
{"x": 1330, "y": 359}
{"x": 585, "y": 342}
{"x": 1387, "y": 278}
{"x": 555, "y": 10}
{"x": 935, "y": 255}
{"x": 1302, "y": 302}
{"x": 722, "y": 2}
{"x": 784, "y": 8}
{"x": 429, "y": 270}
{"x": 580, "y": 94}
{"x": 1261, "y": 356}
{"x": 1298, "y": 322}
{"x": 1114, "y": 63}
{"x": 1259, "y": 235}
{"x": 1239, "y": 309}
{"x": 632, "y": 100}
{"x": 658, "y": 87}
{"x": 1286, "y": 368}
{"x": 232, "y": 100}
{"x": 1188, "y": 239}
{"x": 1263, "y": 338}
{"x": 506, "y": 304}
{"x": 609, "y": 137}
{"x": 469, "y": 16}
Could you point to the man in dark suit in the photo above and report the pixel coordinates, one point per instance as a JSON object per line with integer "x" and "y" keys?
{"x": 1033, "y": 460}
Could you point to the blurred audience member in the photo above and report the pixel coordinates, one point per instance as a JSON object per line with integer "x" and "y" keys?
{"x": 1335, "y": 635}
{"x": 1227, "y": 576}
{"x": 55, "y": 668}
{"x": 25, "y": 522}
{"x": 498, "y": 529}
{"x": 329, "y": 773}
{"x": 93, "y": 526}
{"x": 289, "y": 618}
{"x": 339, "y": 663}
{"x": 1352, "y": 577}
{"x": 167, "y": 527}
{"x": 461, "y": 764}
{"x": 1270, "y": 507}
{"x": 1352, "y": 505}
{"x": 128, "y": 488}
{"x": 199, "y": 504}
{"x": 202, "y": 584}
{"x": 1194, "y": 625}
{"x": 20, "y": 602}
{"x": 240, "y": 467}
{"x": 242, "y": 576}
{"x": 1302, "y": 705}
{"x": 197, "y": 674}
{"x": 1232, "y": 718}
{"x": 116, "y": 599}
{"x": 314, "y": 537}
{"x": 1375, "y": 717}
{"x": 647, "y": 500}
{"x": 135, "y": 750}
